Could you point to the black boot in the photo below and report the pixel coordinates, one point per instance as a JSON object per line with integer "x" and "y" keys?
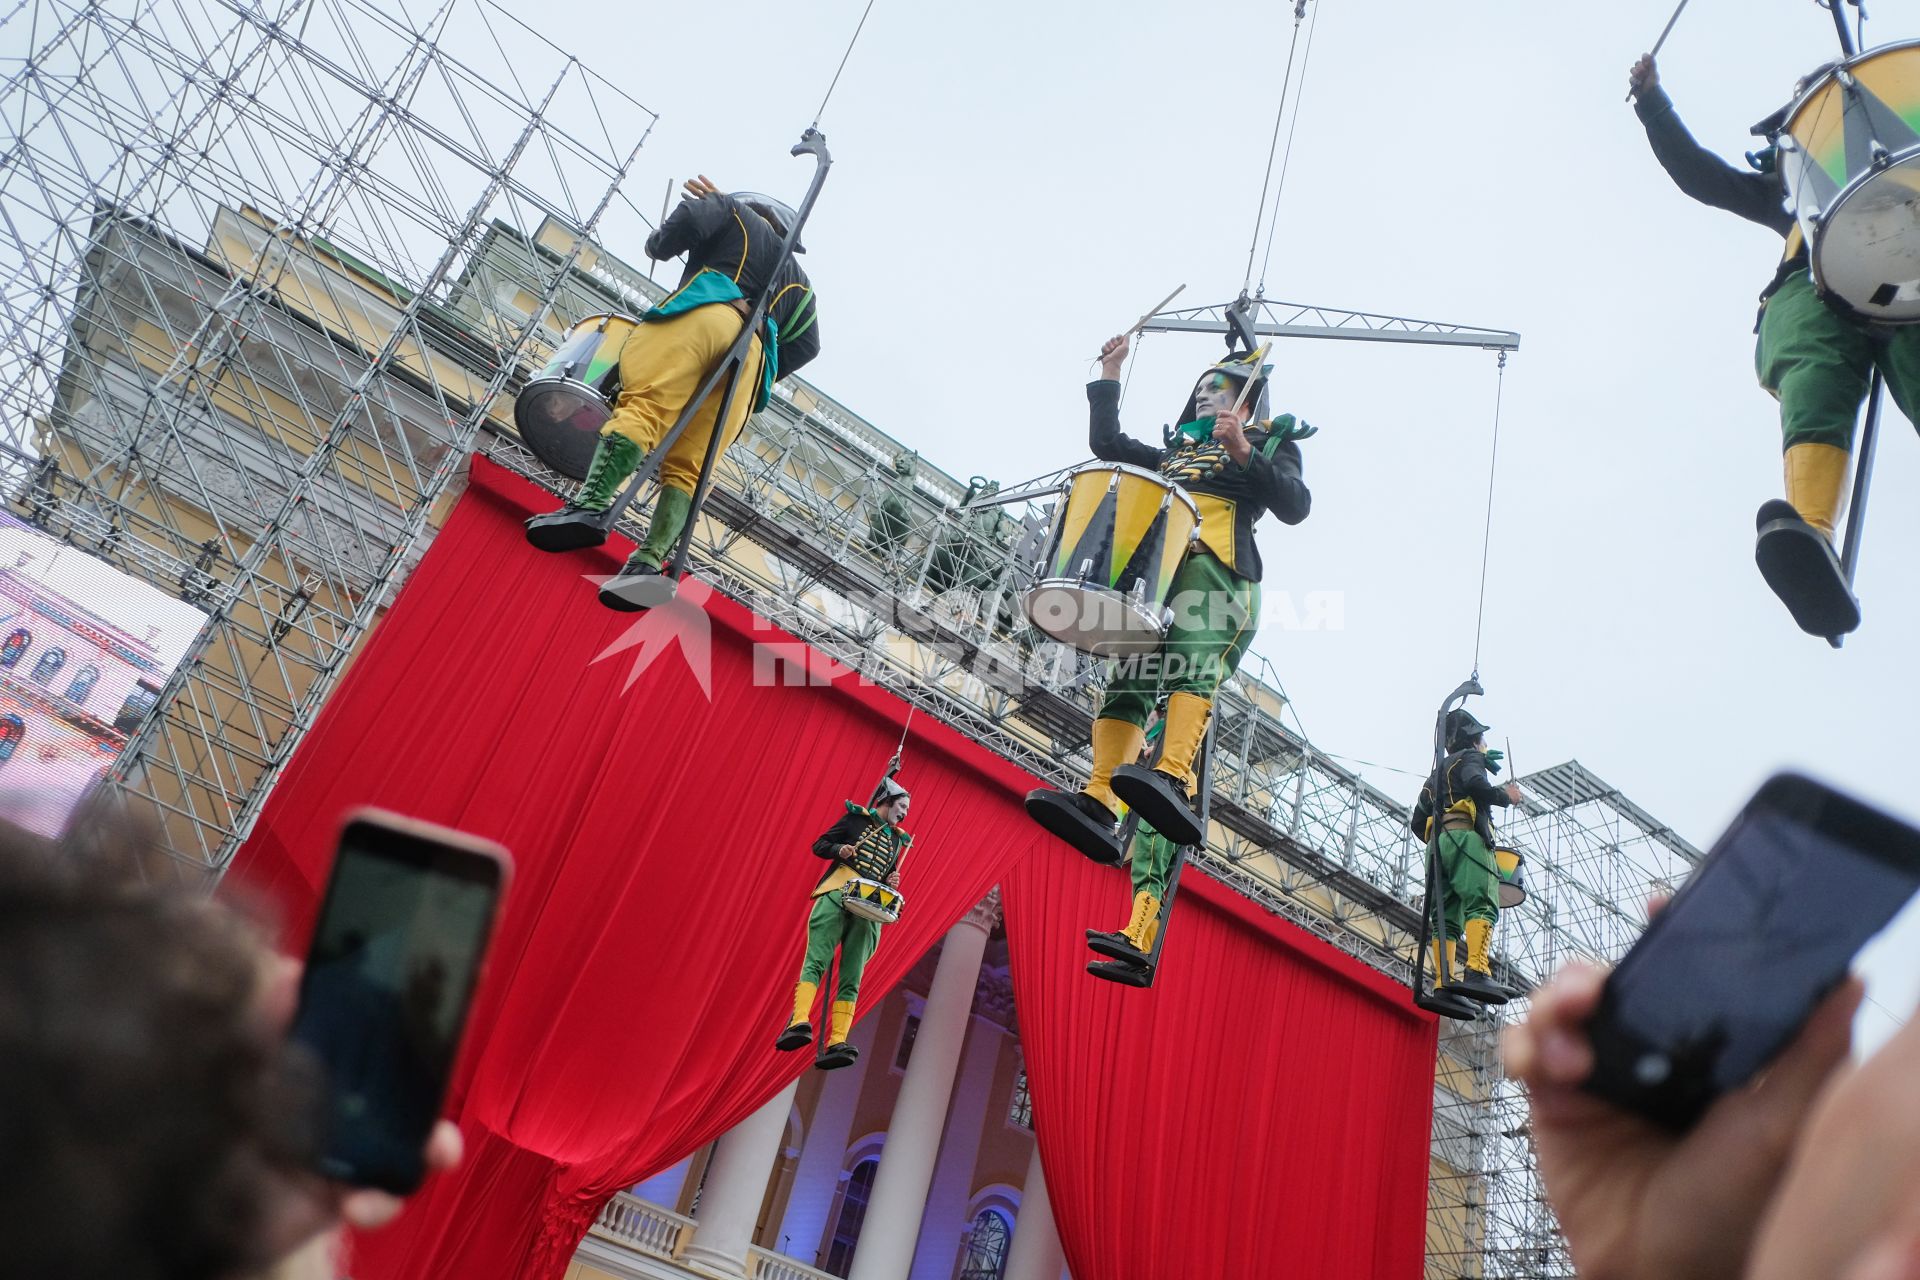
{"x": 1160, "y": 801}
{"x": 638, "y": 586}
{"x": 583, "y": 522}
{"x": 797, "y": 1036}
{"x": 836, "y": 1056}
{"x": 1080, "y": 820}
{"x": 1127, "y": 973}
{"x": 1799, "y": 565}
{"x": 1448, "y": 1005}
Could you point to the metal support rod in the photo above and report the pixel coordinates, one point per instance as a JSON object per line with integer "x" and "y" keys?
{"x": 1839, "y": 12}
{"x": 1862, "y": 484}
{"x": 1181, "y": 854}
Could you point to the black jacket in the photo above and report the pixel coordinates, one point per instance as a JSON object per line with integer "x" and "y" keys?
{"x": 1464, "y": 775}
{"x": 718, "y": 233}
{"x": 1757, "y": 197}
{"x": 1269, "y": 482}
{"x": 878, "y": 847}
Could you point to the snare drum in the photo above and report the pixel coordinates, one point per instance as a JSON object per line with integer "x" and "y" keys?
{"x": 1107, "y": 567}
{"x": 1850, "y": 153}
{"x": 1512, "y": 870}
{"x": 561, "y": 409}
{"x": 872, "y": 900}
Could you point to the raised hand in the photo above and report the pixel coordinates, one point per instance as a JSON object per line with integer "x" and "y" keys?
{"x": 1644, "y": 78}
{"x": 700, "y": 188}
{"x": 1113, "y": 356}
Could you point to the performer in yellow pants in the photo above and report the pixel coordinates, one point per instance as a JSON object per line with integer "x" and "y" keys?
{"x": 732, "y": 243}
{"x": 661, "y": 368}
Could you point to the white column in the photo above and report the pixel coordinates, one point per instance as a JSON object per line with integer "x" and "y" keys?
{"x": 736, "y": 1186}
{"x": 823, "y": 1156}
{"x": 892, "y": 1224}
{"x": 1036, "y": 1252}
{"x": 945, "y": 1219}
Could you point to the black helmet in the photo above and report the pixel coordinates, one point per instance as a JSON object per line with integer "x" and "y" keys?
{"x": 886, "y": 793}
{"x": 777, "y": 212}
{"x": 1463, "y": 730}
{"x": 1238, "y": 367}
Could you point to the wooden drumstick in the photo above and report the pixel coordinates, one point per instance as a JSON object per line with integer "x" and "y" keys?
{"x": 1658, "y": 44}
{"x": 1141, "y": 323}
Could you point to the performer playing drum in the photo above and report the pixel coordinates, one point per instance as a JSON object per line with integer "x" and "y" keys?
{"x": 1816, "y": 353}
{"x": 732, "y": 243}
{"x": 866, "y": 844}
{"x": 1461, "y": 795}
{"x": 1233, "y": 472}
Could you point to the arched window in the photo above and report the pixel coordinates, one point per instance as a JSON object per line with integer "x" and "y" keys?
{"x": 49, "y": 666}
{"x": 82, "y": 685}
{"x": 853, "y": 1212}
{"x": 15, "y": 648}
{"x": 12, "y": 729}
{"x": 983, "y": 1252}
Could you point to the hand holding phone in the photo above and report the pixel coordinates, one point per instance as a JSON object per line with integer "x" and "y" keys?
{"x": 397, "y": 952}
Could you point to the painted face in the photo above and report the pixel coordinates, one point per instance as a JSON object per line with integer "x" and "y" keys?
{"x": 1216, "y": 395}
{"x": 898, "y": 811}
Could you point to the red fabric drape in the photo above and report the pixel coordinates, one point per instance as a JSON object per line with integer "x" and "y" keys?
{"x": 649, "y": 945}
{"x": 1263, "y": 1110}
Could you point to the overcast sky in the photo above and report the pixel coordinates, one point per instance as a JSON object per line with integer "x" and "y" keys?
{"x": 1014, "y": 181}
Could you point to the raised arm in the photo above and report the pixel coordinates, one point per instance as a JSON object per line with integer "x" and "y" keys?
{"x": 1103, "y": 402}
{"x": 1698, "y": 172}
{"x": 1471, "y": 778}
{"x": 693, "y": 223}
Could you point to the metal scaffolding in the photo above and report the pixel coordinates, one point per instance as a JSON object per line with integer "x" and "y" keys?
{"x": 240, "y": 351}
{"x": 268, "y": 275}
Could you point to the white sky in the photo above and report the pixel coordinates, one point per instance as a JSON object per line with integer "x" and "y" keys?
{"x": 1017, "y": 180}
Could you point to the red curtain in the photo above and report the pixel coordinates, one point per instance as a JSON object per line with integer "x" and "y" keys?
{"x": 660, "y": 825}
{"x": 1263, "y": 1110}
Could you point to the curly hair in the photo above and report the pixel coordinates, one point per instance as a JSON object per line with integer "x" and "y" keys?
{"x": 145, "y": 1109}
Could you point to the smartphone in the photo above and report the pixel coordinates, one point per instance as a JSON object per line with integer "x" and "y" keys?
{"x": 1728, "y": 973}
{"x": 396, "y": 954}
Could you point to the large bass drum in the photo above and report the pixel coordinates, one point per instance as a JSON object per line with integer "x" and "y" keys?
{"x": 1108, "y": 565}
{"x": 1850, "y": 154}
{"x": 560, "y": 411}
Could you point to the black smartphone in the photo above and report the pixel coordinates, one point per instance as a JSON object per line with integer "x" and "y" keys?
{"x": 397, "y": 951}
{"x": 1728, "y": 973}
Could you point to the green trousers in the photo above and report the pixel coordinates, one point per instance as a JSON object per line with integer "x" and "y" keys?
{"x": 1215, "y": 613}
{"x": 1473, "y": 886}
{"x": 1152, "y": 861}
{"x": 829, "y": 926}
{"x": 1817, "y": 361}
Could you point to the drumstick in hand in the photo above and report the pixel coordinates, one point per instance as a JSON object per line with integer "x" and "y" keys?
{"x": 1160, "y": 306}
{"x": 1657, "y": 44}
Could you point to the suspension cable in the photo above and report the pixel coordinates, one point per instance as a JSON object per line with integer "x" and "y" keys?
{"x": 1286, "y": 160}
{"x": 843, "y": 63}
{"x": 1279, "y": 116}
{"x": 1486, "y": 536}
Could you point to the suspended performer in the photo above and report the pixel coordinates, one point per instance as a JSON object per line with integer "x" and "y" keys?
{"x": 1234, "y": 471}
{"x": 732, "y": 244}
{"x": 866, "y": 844}
{"x": 1815, "y": 357}
{"x": 1462, "y": 792}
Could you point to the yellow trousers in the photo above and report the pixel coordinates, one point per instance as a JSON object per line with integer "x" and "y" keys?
{"x": 662, "y": 367}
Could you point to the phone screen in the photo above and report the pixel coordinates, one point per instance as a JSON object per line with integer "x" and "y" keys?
{"x": 389, "y": 976}
{"x": 1728, "y": 973}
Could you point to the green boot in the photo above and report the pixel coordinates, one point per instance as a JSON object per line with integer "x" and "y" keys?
{"x": 640, "y": 584}
{"x": 577, "y": 525}
{"x": 669, "y": 519}
{"x": 614, "y": 459}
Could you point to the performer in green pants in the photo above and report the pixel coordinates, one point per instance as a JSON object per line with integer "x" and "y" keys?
{"x": 1462, "y": 794}
{"x": 865, "y": 843}
{"x": 1150, "y": 865}
{"x": 1816, "y": 358}
{"x": 1235, "y": 471}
